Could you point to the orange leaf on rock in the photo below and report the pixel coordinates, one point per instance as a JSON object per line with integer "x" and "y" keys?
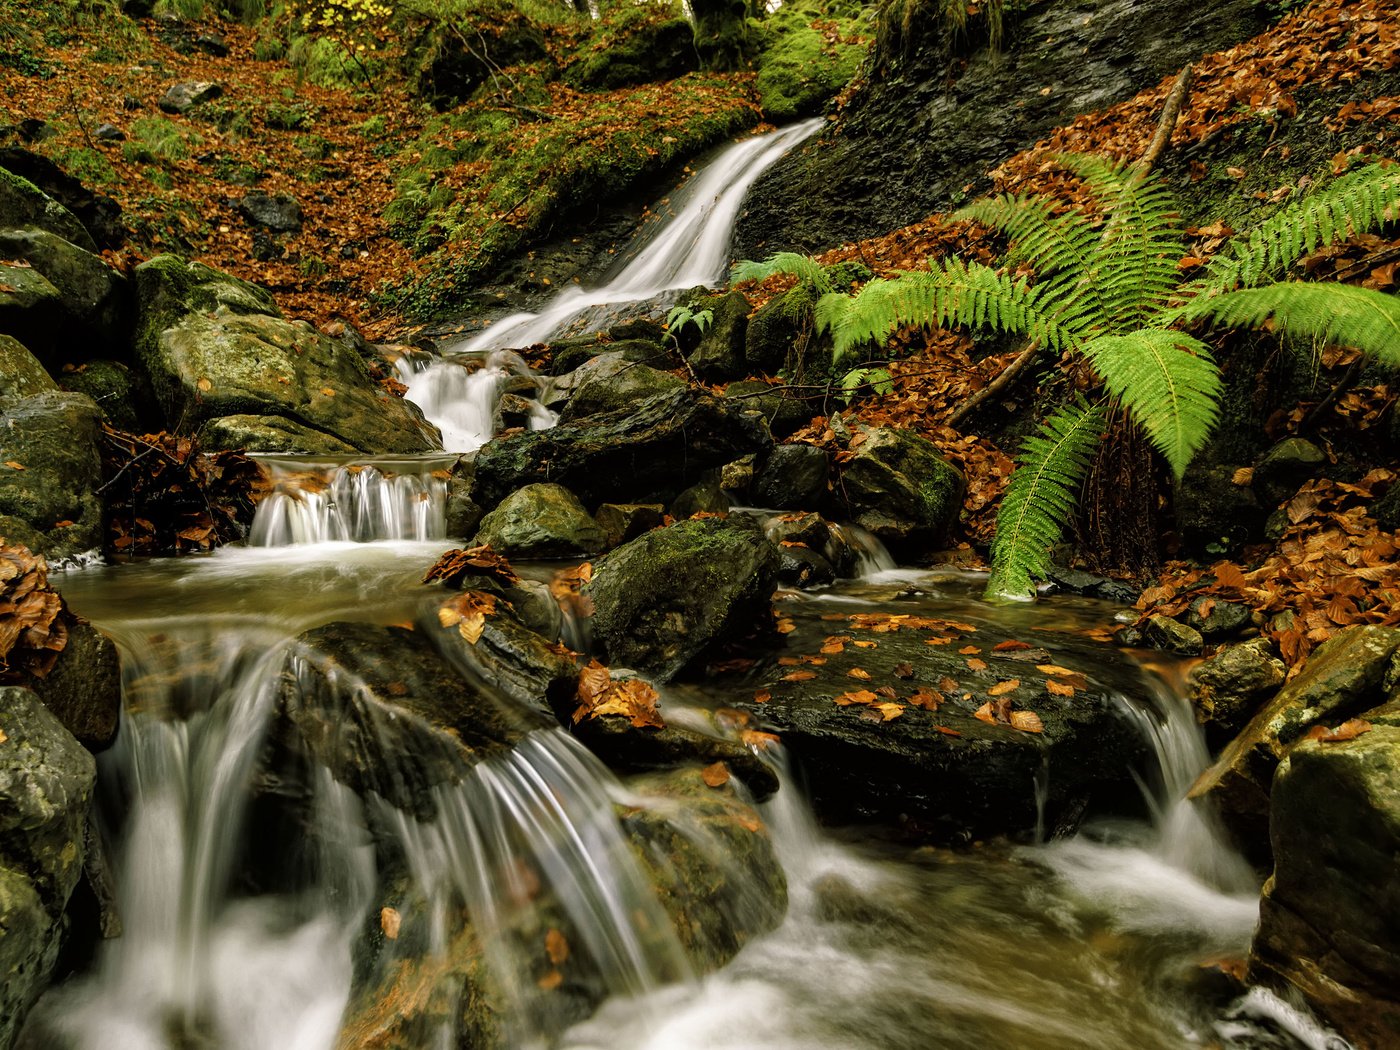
{"x": 799, "y": 676}
{"x": 969, "y": 650}
{"x": 859, "y": 696}
{"x": 1002, "y": 688}
{"x": 556, "y": 947}
{"x": 389, "y": 922}
{"x": 1010, "y": 646}
{"x": 1055, "y": 688}
{"x": 1348, "y": 730}
{"x": 947, "y": 731}
{"x": 974, "y": 664}
{"x": 986, "y": 713}
{"x": 762, "y": 696}
{"x": 888, "y": 711}
{"x": 1027, "y": 722}
{"x": 858, "y": 672}
{"x": 904, "y": 670}
{"x": 758, "y": 740}
{"x": 716, "y": 774}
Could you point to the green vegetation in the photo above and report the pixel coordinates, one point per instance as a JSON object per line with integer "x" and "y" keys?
{"x": 810, "y": 51}
{"x": 1109, "y": 292}
{"x": 156, "y": 140}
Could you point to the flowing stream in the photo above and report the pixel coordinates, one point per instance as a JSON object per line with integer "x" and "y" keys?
{"x": 252, "y": 885}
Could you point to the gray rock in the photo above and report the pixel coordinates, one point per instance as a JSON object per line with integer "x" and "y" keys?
{"x": 84, "y": 688}
{"x": 1218, "y": 619}
{"x": 253, "y": 433}
{"x": 31, "y": 308}
{"x": 704, "y": 497}
{"x": 278, "y": 212}
{"x": 667, "y": 595}
{"x": 1284, "y": 468}
{"x": 609, "y": 382}
{"x": 899, "y": 487}
{"x": 719, "y": 353}
{"x": 1232, "y": 685}
{"x": 1341, "y": 679}
{"x": 782, "y": 409}
{"x": 541, "y": 521}
{"x": 21, "y": 374}
{"x": 108, "y": 133}
{"x": 95, "y": 299}
{"x": 213, "y": 346}
{"x": 46, "y": 782}
{"x": 53, "y": 438}
{"x": 1329, "y": 921}
{"x": 621, "y": 522}
{"x": 22, "y": 204}
{"x": 185, "y": 95}
{"x": 794, "y": 477}
{"x": 1162, "y": 632}
{"x": 649, "y": 452}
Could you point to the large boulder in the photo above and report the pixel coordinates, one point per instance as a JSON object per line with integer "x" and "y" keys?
{"x": 213, "y": 346}
{"x": 1329, "y": 921}
{"x": 898, "y": 486}
{"x": 647, "y": 453}
{"x": 933, "y": 727}
{"x": 97, "y": 214}
{"x": 1234, "y": 683}
{"x": 663, "y": 598}
{"x": 794, "y": 477}
{"x": 94, "y": 299}
{"x": 112, "y": 386}
{"x": 637, "y": 47}
{"x": 784, "y": 410}
{"x": 541, "y": 521}
{"x": 50, "y": 470}
{"x": 1341, "y": 679}
{"x": 21, "y": 374}
{"x": 24, "y": 204}
{"x": 610, "y": 382}
{"x": 83, "y": 688}
{"x": 46, "y": 781}
{"x": 31, "y": 308}
{"x": 719, "y": 352}
{"x": 385, "y": 712}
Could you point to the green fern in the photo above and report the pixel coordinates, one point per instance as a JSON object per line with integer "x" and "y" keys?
{"x": 1329, "y": 313}
{"x": 803, "y": 267}
{"x": 1169, "y": 384}
{"x": 1361, "y": 200}
{"x": 1041, "y": 497}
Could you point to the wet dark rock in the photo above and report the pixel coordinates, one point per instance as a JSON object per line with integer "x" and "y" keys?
{"x": 46, "y": 782}
{"x": 185, "y": 95}
{"x": 83, "y": 689}
{"x": 1284, "y": 468}
{"x": 512, "y": 659}
{"x": 385, "y": 713}
{"x": 98, "y": 217}
{"x": 706, "y": 496}
{"x": 933, "y": 119}
{"x": 610, "y": 382}
{"x": 666, "y": 596}
{"x": 948, "y": 774}
{"x": 255, "y": 433}
{"x": 719, "y": 352}
{"x": 645, "y": 453}
{"x": 1341, "y": 679}
{"x": 810, "y": 529}
{"x": 1216, "y": 619}
{"x": 803, "y": 567}
{"x": 31, "y": 308}
{"x": 1329, "y": 920}
{"x": 1232, "y": 685}
{"x": 1092, "y": 585}
{"x": 1386, "y": 510}
{"x": 635, "y": 328}
{"x": 266, "y": 247}
{"x": 773, "y": 331}
{"x": 53, "y": 438}
{"x": 900, "y": 488}
{"x": 1162, "y": 632}
{"x": 112, "y": 387}
{"x": 541, "y": 521}
{"x": 94, "y": 308}
{"x": 784, "y": 409}
{"x": 1214, "y": 516}
{"x": 21, "y": 374}
{"x": 793, "y": 477}
{"x": 711, "y": 860}
{"x": 213, "y": 346}
{"x": 278, "y": 212}
{"x": 621, "y": 522}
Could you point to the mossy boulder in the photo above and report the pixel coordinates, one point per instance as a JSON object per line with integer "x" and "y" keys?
{"x": 23, "y": 204}
{"x": 253, "y": 433}
{"x": 784, "y": 410}
{"x": 1329, "y": 921}
{"x": 648, "y": 452}
{"x": 1228, "y": 688}
{"x": 718, "y": 354}
{"x": 610, "y": 382}
{"x": 95, "y": 299}
{"x": 21, "y": 374}
{"x": 31, "y": 309}
{"x": 666, "y": 596}
{"x": 211, "y": 346}
{"x": 50, "y": 470}
{"x": 898, "y": 486}
{"x": 451, "y": 58}
{"x": 113, "y": 389}
{"x": 541, "y": 521}
{"x": 46, "y": 782}
{"x": 635, "y": 45}
{"x": 808, "y": 57}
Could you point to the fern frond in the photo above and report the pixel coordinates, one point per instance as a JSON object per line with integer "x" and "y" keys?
{"x": 1048, "y": 242}
{"x": 1140, "y": 245}
{"x": 1041, "y": 497}
{"x": 1332, "y": 313}
{"x": 1355, "y": 203}
{"x": 803, "y": 267}
{"x": 1169, "y": 384}
{"x": 952, "y": 292}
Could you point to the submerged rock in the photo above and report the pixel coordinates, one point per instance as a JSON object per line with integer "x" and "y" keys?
{"x": 646, "y": 453}
{"x": 667, "y": 595}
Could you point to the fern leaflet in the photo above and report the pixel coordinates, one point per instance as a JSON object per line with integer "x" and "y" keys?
{"x": 1041, "y": 496}
{"x": 1332, "y": 313}
{"x": 803, "y": 267}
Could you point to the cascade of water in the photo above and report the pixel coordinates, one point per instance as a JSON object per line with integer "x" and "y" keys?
{"x": 321, "y": 501}
{"x": 461, "y": 395}
{"x": 689, "y": 250}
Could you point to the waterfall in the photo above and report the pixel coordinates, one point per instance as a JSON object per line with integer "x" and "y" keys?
{"x": 323, "y": 501}
{"x": 690, "y": 249}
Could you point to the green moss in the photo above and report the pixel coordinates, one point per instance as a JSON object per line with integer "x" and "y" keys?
{"x": 634, "y": 45}
{"x": 156, "y": 140}
{"x": 809, "y": 54}
{"x": 294, "y": 117}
